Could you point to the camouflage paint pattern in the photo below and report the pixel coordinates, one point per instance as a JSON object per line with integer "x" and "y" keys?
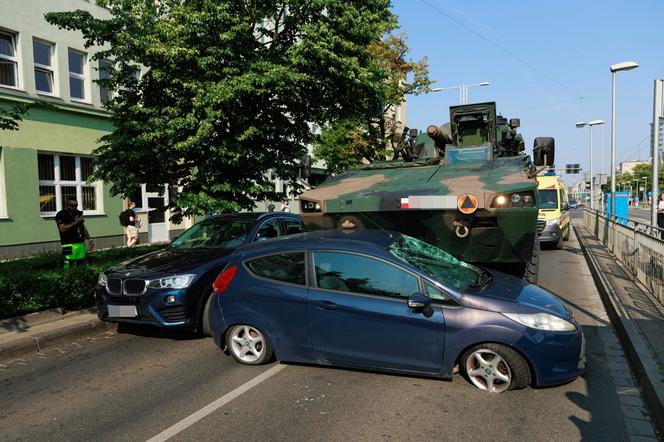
{"x": 374, "y": 197}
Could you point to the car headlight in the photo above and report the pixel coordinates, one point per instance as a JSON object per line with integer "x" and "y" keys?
{"x": 553, "y": 222}
{"x": 172, "y": 282}
{"x": 542, "y": 321}
{"x": 102, "y": 279}
{"x": 309, "y": 206}
{"x": 517, "y": 199}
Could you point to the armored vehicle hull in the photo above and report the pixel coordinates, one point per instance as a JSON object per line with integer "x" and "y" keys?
{"x": 425, "y": 202}
{"x": 466, "y": 187}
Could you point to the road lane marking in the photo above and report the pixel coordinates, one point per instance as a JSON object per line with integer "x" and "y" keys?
{"x": 214, "y": 406}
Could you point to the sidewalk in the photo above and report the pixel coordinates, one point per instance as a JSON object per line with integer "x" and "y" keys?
{"x": 31, "y": 333}
{"x": 637, "y": 318}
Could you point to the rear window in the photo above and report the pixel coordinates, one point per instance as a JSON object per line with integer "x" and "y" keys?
{"x": 293, "y": 226}
{"x": 285, "y": 267}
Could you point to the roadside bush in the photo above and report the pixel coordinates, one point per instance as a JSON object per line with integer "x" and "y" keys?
{"x": 39, "y": 283}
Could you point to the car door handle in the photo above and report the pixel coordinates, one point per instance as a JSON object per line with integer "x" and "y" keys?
{"x": 327, "y": 305}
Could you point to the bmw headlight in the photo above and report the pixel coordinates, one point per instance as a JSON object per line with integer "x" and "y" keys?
{"x": 172, "y": 282}
{"x": 516, "y": 199}
{"x": 542, "y": 321}
{"x": 102, "y": 279}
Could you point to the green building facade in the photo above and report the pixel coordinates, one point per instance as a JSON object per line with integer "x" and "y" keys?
{"x": 49, "y": 158}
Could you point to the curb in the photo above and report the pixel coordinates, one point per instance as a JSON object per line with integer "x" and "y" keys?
{"x": 38, "y": 341}
{"x": 638, "y": 352}
{"x": 25, "y": 322}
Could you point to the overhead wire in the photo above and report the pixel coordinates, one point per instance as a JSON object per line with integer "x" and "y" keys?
{"x": 634, "y": 147}
{"x": 505, "y": 50}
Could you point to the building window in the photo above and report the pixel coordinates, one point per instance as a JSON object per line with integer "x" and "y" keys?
{"x": 67, "y": 176}
{"x": 43, "y": 57}
{"x": 8, "y": 60}
{"x": 105, "y": 69}
{"x": 76, "y": 75}
{"x": 3, "y": 192}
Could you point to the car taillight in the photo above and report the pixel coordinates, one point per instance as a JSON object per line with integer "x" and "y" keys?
{"x": 224, "y": 278}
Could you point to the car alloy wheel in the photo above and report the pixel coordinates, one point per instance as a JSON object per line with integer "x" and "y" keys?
{"x": 248, "y": 345}
{"x": 495, "y": 368}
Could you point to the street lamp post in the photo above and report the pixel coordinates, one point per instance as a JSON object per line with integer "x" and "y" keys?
{"x": 590, "y": 125}
{"x": 645, "y": 189}
{"x": 624, "y": 66}
{"x": 463, "y": 90}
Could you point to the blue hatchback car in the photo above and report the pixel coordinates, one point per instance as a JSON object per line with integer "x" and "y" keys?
{"x": 171, "y": 287}
{"x": 386, "y": 301}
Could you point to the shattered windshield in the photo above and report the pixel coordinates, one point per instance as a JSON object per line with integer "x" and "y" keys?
{"x": 438, "y": 263}
{"x": 218, "y": 233}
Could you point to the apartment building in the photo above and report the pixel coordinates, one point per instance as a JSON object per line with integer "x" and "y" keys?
{"x": 49, "y": 158}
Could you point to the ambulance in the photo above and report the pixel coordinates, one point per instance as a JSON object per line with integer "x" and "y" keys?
{"x": 553, "y": 220}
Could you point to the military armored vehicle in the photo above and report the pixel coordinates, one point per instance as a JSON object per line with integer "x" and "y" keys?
{"x": 466, "y": 187}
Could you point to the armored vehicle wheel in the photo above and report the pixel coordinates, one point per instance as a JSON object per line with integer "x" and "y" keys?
{"x": 350, "y": 222}
{"x": 532, "y": 268}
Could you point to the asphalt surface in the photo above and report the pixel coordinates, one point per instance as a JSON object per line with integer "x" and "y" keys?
{"x": 137, "y": 384}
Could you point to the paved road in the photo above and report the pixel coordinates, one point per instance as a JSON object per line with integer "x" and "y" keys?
{"x": 133, "y": 386}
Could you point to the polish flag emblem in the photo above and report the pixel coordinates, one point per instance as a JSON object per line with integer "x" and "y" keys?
{"x": 404, "y": 203}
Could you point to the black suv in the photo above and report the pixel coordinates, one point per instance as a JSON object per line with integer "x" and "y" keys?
{"x": 171, "y": 287}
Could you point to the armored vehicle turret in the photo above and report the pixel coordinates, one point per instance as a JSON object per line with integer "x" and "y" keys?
{"x": 466, "y": 186}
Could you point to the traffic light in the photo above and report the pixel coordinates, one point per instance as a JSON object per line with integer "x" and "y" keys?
{"x": 572, "y": 169}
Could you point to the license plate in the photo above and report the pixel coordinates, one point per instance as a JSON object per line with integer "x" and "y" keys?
{"x": 122, "y": 311}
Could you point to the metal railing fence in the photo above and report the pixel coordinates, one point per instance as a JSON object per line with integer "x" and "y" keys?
{"x": 638, "y": 246}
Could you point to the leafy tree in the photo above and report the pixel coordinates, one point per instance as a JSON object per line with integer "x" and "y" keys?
{"x": 349, "y": 143}
{"x": 229, "y": 89}
{"x": 628, "y": 180}
{"x": 10, "y": 116}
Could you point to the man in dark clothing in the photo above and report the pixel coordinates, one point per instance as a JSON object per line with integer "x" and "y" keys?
{"x": 72, "y": 233}
{"x": 133, "y": 223}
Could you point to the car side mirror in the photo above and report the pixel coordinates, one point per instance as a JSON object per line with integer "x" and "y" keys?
{"x": 565, "y": 206}
{"x": 419, "y": 301}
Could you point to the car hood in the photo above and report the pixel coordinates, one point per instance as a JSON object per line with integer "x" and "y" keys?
{"x": 170, "y": 261}
{"x": 522, "y": 296}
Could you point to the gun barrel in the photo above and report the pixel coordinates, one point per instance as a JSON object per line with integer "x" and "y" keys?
{"x": 438, "y": 136}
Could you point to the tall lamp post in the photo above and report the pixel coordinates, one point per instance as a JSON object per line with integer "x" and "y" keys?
{"x": 624, "y": 66}
{"x": 590, "y": 125}
{"x": 463, "y": 90}
{"x": 645, "y": 189}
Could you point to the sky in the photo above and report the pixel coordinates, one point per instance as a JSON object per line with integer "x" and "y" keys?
{"x": 548, "y": 64}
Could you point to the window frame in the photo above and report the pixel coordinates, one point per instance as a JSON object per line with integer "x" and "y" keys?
{"x": 3, "y": 190}
{"x": 109, "y": 91}
{"x": 77, "y": 76}
{"x": 277, "y": 221}
{"x": 284, "y": 226}
{"x": 12, "y": 59}
{"x": 48, "y": 69}
{"x": 79, "y": 183}
{"x": 313, "y": 278}
{"x": 307, "y": 257}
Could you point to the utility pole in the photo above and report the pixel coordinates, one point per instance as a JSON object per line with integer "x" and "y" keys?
{"x": 657, "y": 114}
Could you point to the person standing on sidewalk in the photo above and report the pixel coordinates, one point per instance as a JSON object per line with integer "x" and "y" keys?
{"x": 72, "y": 234}
{"x": 284, "y": 206}
{"x": 133, "y": 223}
